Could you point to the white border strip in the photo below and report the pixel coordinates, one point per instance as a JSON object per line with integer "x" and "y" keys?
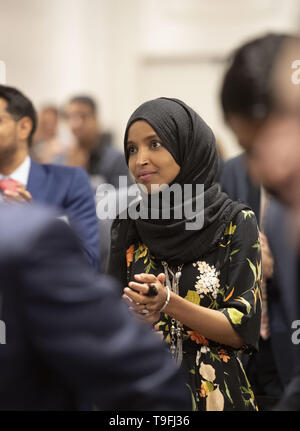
{"x": 2, "y": 72}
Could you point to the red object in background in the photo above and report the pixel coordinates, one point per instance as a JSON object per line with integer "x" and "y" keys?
{"x": 9, "y": 184}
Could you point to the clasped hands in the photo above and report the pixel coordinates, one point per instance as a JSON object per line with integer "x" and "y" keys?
{"x": 146, "y": 307}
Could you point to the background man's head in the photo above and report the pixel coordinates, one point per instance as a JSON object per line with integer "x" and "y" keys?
{"x": 261, "y": 105}
{"x": 17, "y": 120}
{"x": 48, "y": 118}
{"x": 246, "y": 93}
{"x": 81, "y": 116}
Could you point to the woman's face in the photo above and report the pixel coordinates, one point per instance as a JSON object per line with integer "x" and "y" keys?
{"x": 149, "y": 162}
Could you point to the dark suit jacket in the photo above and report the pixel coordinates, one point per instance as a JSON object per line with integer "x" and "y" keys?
{"x": 68, "y": 190}
{"x": 236, "y": 182}
{"x": 70, "y": 339}
{"x": 238, "y": 185}
{"x": 287, "y": 301}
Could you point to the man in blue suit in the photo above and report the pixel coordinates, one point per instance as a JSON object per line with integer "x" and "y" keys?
{"x": 65, "y": 188}
{"x": 71, "y": 342}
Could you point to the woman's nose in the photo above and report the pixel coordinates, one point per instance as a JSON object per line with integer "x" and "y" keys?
{"x": 143, "y": 158}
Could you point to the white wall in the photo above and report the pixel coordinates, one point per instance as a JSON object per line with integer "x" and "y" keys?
{"x": 54, "y": 48}
{"x": 126, "y": 51}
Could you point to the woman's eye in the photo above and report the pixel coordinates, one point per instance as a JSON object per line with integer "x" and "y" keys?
{"x": 131, "y": 150}
{"x": 156, "y": 145}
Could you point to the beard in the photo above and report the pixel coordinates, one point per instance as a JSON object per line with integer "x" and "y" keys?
{"x": 8, "y": 152}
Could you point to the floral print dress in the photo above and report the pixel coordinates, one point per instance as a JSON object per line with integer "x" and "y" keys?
{"x": 228, "y": 280}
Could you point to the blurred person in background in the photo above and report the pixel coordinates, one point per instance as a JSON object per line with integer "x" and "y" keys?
{"x": 275, "y": 160}
{"x": 23, "y": 180}
{"x": 246, "y": 99}
{"x": 94, "y": 150}
{"x": 71, "y": 343}
{"x": 52, "y": 141}
{"x": 282, "y": 165}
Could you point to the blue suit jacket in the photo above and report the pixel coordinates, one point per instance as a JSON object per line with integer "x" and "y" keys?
{"x": 70, "y": 339}
{"x": 68, "y": 190}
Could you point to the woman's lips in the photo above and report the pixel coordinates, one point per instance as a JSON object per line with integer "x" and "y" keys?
{"x": 146, "y": 176}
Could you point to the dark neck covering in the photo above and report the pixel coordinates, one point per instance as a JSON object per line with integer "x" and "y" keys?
{"x": 192, "y": 144}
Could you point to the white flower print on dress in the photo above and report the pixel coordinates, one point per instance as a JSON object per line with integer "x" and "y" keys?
{"x": 204, "y": 349}
{"x": 208, "y": 281}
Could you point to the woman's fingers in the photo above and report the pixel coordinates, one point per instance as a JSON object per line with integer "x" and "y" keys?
{"x": 136, "y": 297}
{"x": 145, "y": 278}
{"x": 161, "y": 277}
{"x": 142, "y": 302}
{"x": 133, "y": 306}
{"x": 127, "y": 300}
{"x": 139, "y": 292}
{"x": 142, "y": 288}
{"x": 150, "y": 278}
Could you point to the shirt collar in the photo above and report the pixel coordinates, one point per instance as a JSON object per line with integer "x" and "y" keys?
{"x": 21, "y": 174}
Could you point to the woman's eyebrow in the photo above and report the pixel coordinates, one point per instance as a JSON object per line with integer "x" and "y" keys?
{"x": 147, "y": 138}
{"x": 151, "y": 137}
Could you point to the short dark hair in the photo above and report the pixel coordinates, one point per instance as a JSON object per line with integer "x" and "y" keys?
{"x": 85, "y": 100}
{"x": 19, "y": 106}
{"x": 247, "y": 84}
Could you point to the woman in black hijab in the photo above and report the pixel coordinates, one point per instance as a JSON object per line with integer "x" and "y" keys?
{"x": 193, "y": 272}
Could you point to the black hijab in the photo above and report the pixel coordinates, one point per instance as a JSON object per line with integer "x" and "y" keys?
{"x": 192, "y": 144}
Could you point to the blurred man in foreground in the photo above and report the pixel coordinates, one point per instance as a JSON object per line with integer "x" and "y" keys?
{"x": 247, "y": 100}
{"x": 275, "y": 161}
{"x": 70, "y": 341}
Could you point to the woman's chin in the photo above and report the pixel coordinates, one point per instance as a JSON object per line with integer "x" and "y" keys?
{"x": 149, "y": 188}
